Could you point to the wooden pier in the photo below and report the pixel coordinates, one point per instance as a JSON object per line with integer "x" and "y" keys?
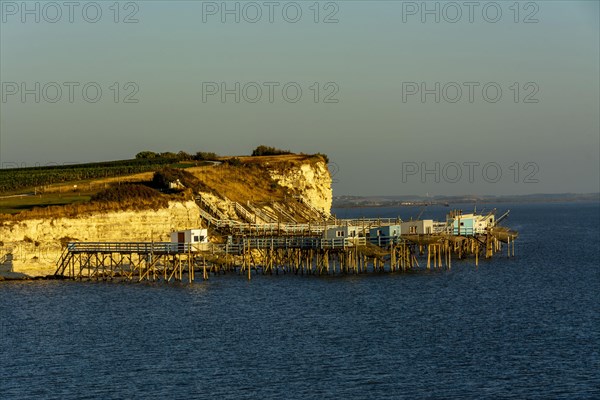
{"x": 133, "y": 260}
{"x": 248, "y": 255}
{"x": 274, "y": 246}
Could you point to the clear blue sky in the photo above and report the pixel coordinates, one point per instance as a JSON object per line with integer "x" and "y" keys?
{"x": 375, "y": 56}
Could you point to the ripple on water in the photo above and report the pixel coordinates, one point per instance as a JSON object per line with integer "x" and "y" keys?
{"x": 519, "y": 328}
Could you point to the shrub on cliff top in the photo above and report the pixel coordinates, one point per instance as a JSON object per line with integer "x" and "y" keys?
{"x": 127, "y": 192}
{"x": 163, "y": 177}
{"x": 206, "y": 156}
{"x": 180, "y": 156}
{"x": 234, "y": 162}
{"x": 268, "y": 151}
{"x": 146, "y": 155}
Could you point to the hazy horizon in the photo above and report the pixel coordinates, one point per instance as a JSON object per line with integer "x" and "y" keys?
{"x": 395, "y": 98}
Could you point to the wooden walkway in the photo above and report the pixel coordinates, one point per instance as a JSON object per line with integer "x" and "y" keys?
{"x": 214, "y": 218}
{"x": 268, "y": 247}
{"x": 152, "y": 261}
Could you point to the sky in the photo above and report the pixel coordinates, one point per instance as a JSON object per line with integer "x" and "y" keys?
{"x": 406, "y": 98}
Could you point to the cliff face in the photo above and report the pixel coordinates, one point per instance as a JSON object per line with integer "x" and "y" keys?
{"x": 309, "y": 179}
{"x": 33, "y": 246}
{"x": 313, "y": 181}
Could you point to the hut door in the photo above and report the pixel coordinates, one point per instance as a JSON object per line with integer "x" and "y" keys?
{"x": 181, "y": 241}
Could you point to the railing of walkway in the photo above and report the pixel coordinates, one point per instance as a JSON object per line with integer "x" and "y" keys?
{"x": 130, "y": 247}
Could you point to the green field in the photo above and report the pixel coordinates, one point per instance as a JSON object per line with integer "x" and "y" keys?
{"x": 14, "y": 204}
{"x": 15, "y": 180}
{"x": 22, "y": 189}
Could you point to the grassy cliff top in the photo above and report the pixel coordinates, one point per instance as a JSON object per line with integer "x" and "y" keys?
{"x": 55, "y": 191}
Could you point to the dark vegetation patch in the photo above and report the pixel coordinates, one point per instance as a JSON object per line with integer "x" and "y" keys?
{"x": 164, "y": 177}
{"x": 126, "y": 192}
{"x": 234, "y": 162}
{"x": 268, "y": 151}
{"x": 206, "y": 156}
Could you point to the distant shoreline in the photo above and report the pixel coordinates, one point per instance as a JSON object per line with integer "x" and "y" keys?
{"x": 408, "y": 201}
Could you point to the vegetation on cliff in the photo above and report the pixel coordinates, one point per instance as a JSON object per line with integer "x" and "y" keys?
{"x": 269, "y": 151}
{"x": 115, "y": 198}
{"x": 15, "y": 179}
{"x": 239, "y": 181}
{"x": 148, "y": 181}
{"x": 165, "y": 178}
{"x": 127, "y": 193}
{"x": 180, "y": 156}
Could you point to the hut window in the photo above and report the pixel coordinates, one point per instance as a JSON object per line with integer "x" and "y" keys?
{"x": 196, "y": 238}
{"x": 339, "y": 233}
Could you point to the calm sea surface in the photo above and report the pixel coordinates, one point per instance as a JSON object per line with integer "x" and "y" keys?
{"x": 522, "y": 328}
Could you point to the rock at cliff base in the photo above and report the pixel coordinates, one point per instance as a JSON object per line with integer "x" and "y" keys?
{"x": 13, "y": 276}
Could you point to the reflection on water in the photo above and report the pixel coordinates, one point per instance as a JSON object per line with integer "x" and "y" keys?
{"x": 521, "y": 328}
